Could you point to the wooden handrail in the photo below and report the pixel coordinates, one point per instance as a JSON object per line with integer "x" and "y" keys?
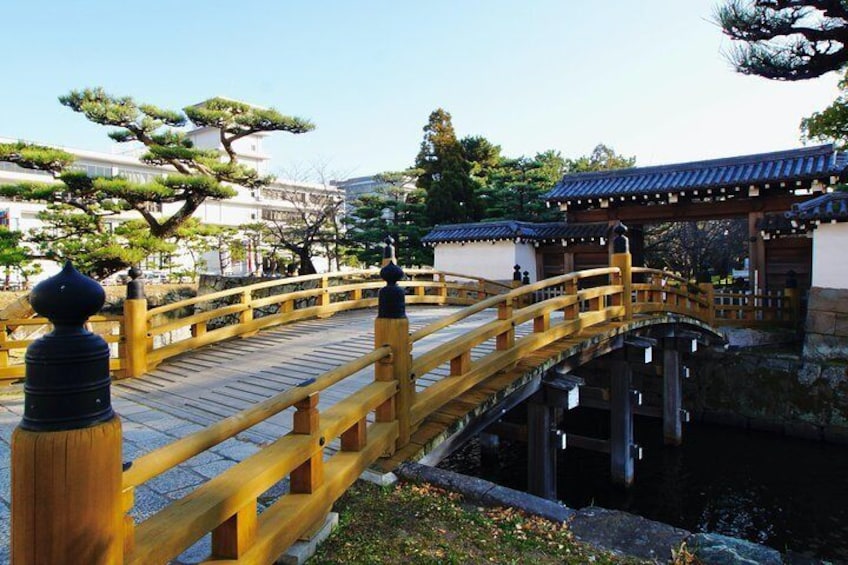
{"x": 157, "y": 462}
{"x": 511, "y": 295}
{"x": 158, "y": 540}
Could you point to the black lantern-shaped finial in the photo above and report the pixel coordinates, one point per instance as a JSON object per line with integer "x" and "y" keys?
{"x": 67, "y": 371}
{"x": 391, "y": 300}
{"x": 620, "y": 244}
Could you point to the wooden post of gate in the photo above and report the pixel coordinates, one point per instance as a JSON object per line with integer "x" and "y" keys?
{"x": 66, "y": 452}
{"x": 392, "y": 328}
{"x": 622, "y": 259}
{"x": 135, "y": 325}
{"x": 791, "y": 295}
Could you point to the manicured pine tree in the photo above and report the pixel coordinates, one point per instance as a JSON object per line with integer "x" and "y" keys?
{"x": 82, "y": 212}
{"x": 786, "y": 39}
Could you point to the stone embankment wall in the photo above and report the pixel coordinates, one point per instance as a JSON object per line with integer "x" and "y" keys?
{"x": 770, "y": 389}
{"x": 766, "y": 382}
{"x": 826, "y": 335}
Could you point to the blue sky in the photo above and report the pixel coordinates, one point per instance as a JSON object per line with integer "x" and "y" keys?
{"x": 647, "y": 78}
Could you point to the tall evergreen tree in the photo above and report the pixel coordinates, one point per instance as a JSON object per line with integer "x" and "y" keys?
{"x": 446, "y": 174}
{"x": 787, "y": 39}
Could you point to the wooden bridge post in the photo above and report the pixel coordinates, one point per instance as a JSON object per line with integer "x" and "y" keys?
{"x": 621, "y": 424}
{"x": 443, "y": 289}
{"x": 135, "y": 325}
{"x": 622, "y": 259}
{"x": 672, "y": 394}
{"x": 505, "y": 340}
{"x": 392, "y": 328}
{"x": 66, "y": 452}
{"x": 709, "y": 295}
{"x": 541, "y": 452}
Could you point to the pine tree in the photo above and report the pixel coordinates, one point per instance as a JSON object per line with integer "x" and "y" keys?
{"x": 394, "y": 210}
{"x": 446, "y": 178}
{"x": 787, "y": 39}
{"x": 516, "y": 187}
{"x": 87, "y": 209}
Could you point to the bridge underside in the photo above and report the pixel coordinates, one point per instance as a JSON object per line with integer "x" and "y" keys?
{"x": 467, "y": 415}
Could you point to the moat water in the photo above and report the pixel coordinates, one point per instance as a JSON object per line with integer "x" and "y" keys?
{"x": 786, "y": 493}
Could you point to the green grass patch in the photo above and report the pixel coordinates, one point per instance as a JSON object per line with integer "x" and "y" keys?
{"x": 417, "y": 524}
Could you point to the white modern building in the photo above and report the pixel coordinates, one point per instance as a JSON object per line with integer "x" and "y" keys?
{"x": 270, "y": 203}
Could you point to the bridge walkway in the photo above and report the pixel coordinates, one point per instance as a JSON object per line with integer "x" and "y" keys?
{"x": 217, "y": 381}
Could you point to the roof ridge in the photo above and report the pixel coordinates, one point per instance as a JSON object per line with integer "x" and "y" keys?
{"x": 704, "y": 164}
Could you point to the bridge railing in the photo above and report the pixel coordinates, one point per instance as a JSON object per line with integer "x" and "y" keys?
{"x": 226, "y": 505}
{"x": 373, "y": 421}
{"x": 163, "y": 332}
{"x": 566, "y": 314}
{"x": 110, "y": 328}
{"x": 664, "y": 291}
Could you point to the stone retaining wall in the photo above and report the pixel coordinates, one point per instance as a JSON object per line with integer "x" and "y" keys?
{"x": 773, "y": 390}
{"x": 826, "y": 336}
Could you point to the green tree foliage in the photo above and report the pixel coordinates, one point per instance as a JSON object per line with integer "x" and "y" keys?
{"x": 394, "y": 210}
{"x": 13, "y": 255}
{"x": 831, "y": 124}
{"x": 786, "y": 39}
{"x": 190, "y": 176}
{"x": 197, "y": 239}
{"x": 516, "y": 187}
{"x": 482, "y": 155}
{"x": 602, "y": 158}
{"x": 446, "y": 174}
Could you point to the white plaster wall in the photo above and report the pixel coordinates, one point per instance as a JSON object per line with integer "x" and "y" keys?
{"x": 830, "y": 256}
{"x": 525, "y": 255}
{"x": 484, "y": 259}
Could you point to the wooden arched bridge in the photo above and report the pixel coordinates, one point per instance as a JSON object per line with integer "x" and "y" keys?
{"x": 375, "y": 394}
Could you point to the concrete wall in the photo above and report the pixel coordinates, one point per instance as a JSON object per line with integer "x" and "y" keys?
{"x": 485, "y": 259}
{"x": 830, "y": 269}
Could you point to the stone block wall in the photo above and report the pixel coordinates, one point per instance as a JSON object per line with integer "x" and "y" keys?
{"x": 826, "y": 332}
{"x": 773, "y": 390}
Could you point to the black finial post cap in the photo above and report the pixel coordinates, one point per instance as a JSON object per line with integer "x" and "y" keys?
{"x": 391, "y": 300}
{"x": 526, "y": 278}
{"x": 620, "y": 244}
{"x": 792, "y": 279}
{"x": 516, "y": 273}
{"x": 135, "y": 287}
{"x": 389, "y": 249}
{"x": 67, "y": 371}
